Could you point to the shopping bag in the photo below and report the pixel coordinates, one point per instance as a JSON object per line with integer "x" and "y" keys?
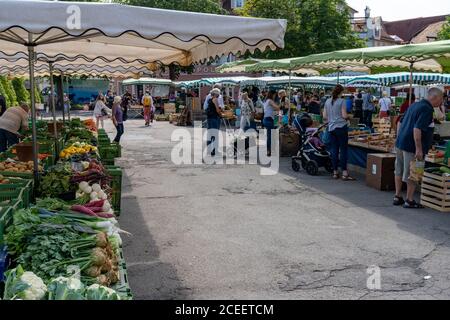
{"x": 326, "y": 137}
{"x": 416, "y": 170}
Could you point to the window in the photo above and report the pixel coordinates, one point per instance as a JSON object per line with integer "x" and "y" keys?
{"x": 237, "y": 3}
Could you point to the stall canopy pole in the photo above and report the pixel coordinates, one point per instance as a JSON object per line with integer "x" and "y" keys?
{"x": 68, "y": 94}
{"x": 290, "y": 96}
{"x": 33, "y": 108}
{"x": 410, "y": 82}
{"x": 338, "y": 74}
{"x": 52, "y": 90}
{"x": 61, "y": 96}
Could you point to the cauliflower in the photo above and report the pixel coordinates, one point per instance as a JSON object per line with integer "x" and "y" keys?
{"x": 98, "y": 292}
{"x": 37, "y": 288}
{"x": 63, "y": 288}
{"x": 23, "y": 285}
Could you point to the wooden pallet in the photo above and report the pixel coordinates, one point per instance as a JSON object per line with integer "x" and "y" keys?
{"x": 435, "y": 193}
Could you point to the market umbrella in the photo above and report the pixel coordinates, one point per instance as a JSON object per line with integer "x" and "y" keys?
{"x": 388, "y": 79}
{"x": 432, "y": 56}
{"x": 109, "y": 31}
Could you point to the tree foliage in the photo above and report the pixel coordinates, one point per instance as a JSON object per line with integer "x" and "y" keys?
{"x": 21, "y": 91}
{"x": 11, "y": 99}
{"x": 205, "y": 6}
{"x": 314, "y": 26}
{"x": 444, "y": 34}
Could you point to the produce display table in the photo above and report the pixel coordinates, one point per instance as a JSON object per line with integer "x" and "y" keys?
{"x": 357, "y": 153}
{"x": 77, "y": 201}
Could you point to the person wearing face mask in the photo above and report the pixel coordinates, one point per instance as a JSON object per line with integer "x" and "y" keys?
{"x": 11, "y": 122}
{"x": 414, "y": 139}
{"x": 335, "y": 113}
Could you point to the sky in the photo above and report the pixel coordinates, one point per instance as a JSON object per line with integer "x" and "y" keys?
{"x": 391, "y": 10}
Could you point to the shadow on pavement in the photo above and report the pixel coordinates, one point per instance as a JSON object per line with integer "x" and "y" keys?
{"x": 427, "y": 223}
{"x": 150, "y": 279}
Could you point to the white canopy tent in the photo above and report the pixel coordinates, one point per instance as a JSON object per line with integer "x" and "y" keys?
{"x": 105, "y": 31}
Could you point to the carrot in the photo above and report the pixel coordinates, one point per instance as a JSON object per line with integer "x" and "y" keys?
{"x": 84, "y": 210}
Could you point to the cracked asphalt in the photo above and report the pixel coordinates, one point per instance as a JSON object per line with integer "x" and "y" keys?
{"x": 226, "y": 232}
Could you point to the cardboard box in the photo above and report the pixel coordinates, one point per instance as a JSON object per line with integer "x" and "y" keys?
{"x": 380, "y": 171}
{"x": 289, "y": 144}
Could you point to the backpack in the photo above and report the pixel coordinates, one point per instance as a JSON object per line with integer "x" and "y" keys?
{"x": 147, "y": 101}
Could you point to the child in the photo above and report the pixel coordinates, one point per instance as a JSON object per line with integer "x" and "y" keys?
{"x": 310, "y": 132}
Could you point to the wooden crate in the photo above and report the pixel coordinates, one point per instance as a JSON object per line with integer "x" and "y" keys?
{"x": 435, "y": 192}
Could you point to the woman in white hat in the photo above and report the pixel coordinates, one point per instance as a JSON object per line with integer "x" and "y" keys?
{"x": 117, "y": 118}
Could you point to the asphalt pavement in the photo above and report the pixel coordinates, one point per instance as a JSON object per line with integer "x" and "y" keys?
{"x": 228, "y": 232}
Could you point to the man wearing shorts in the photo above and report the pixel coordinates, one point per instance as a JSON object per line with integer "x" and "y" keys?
{"x": 414, "y": 139}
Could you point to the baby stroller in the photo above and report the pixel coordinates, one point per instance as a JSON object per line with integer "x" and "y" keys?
{"x": 310, "y": 156}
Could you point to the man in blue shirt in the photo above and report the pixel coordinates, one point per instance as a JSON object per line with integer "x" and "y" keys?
{"x": 414, "y": 138}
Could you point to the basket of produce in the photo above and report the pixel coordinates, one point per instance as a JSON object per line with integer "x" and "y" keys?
{"x": 59, "y": 127}
{"x": 24, "y": 151}
{"x": 77, "y": 148}
{"x": 12, "y": 168}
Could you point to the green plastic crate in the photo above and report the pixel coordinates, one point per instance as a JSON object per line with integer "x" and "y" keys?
{"x": 6, "y": 217}
{"x": 110, "y": 152}
{"x": 123, "y": 286}
{"x": 17, "y": 174}
{"x": 116, "y": 186}
{"x": 20, "y": 188}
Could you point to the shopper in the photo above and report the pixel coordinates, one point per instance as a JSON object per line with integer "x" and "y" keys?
{"x": 127, "y": 98}
{"x": 358, "y": 109}
{"x": 213, "y": 120}
{"x": 117, "y": 118}
{"x": 368, "y": 109}
{"x": 270, "y": 107}
{"x": 101, "y": 111}
{"x": 11, "y": 122}
{"x": 414, "y": 138}
{"x": 247, "y": 112}
{"x": 314, "y": 105}
{"x": 220, "y": 99}
{"x": 385, "y": 106}
{"x": 147, "y": 102}
{"x": 284, "y": 101}
{"x": 335, "y": 114}
{"x": 109, "y": 99}
{"x": 447, "y": 102}
{"x": 405, "y": 105}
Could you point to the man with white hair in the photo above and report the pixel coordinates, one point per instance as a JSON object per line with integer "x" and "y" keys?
{"x": 414, "y": 139}
{"x": 220, "y": 99}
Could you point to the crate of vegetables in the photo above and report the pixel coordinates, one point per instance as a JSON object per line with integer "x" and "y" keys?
{"x": 116, "y": 186}
{"x": 123, "y": 286}
{"x": 15, "y": 185}
{"x": 18, "y": 169}
{"x": 7, "y": 209}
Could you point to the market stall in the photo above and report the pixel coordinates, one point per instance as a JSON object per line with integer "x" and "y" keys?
{"x": 79, "y": 197}
{"x": 25, "y": 29}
